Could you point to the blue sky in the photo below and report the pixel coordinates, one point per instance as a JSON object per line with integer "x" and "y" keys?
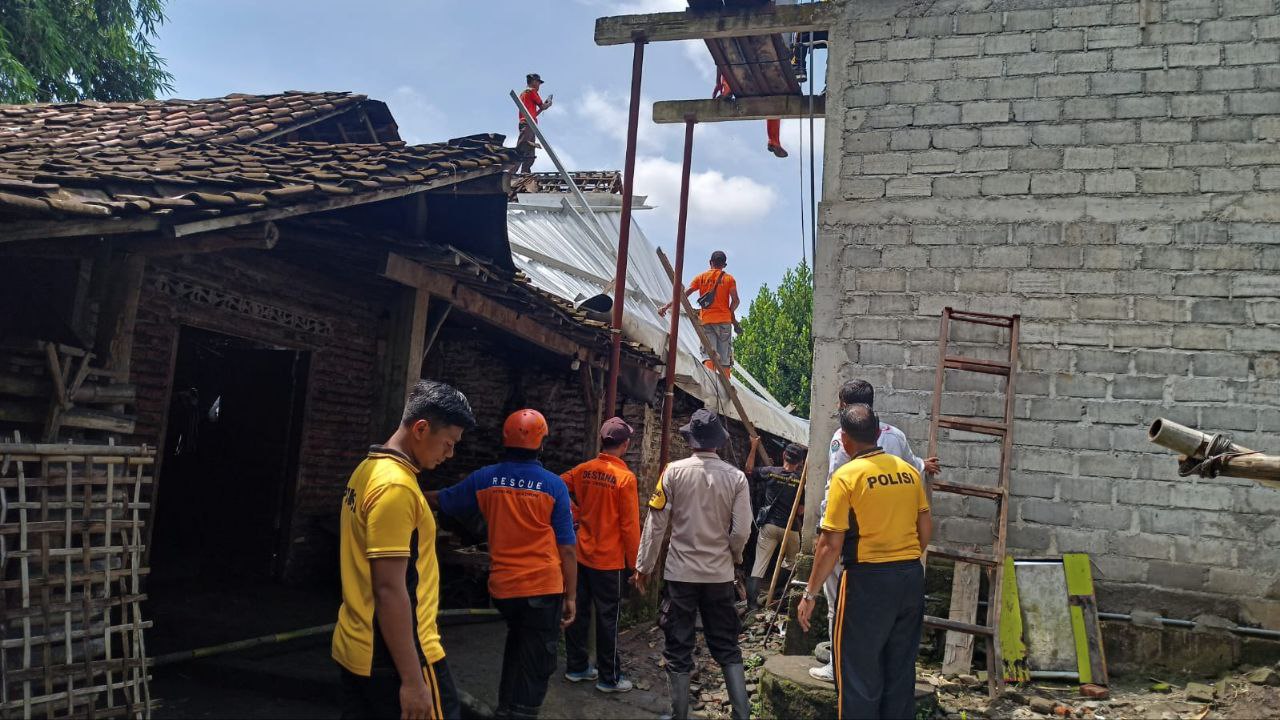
{"x": 445, "y": 67}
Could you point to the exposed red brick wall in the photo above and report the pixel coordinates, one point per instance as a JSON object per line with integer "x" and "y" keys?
{"x": 340, "y": 389}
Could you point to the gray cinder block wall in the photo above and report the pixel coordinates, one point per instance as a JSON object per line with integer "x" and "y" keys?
{"x": 1118, "y": 184}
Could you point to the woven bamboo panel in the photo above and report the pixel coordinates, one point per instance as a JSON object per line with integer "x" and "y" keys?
{"x": 71, "y": 550}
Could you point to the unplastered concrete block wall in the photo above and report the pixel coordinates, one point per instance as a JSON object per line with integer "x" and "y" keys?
{"x": 1114, "y": 179}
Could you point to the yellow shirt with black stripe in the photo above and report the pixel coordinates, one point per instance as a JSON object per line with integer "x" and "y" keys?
{"x": 385, "y": 515}
{"x": 875, "y": 499}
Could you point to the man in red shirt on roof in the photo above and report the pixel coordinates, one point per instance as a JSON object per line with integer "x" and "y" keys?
{"x": 533, "y": 102}
{"x": 607, "y": 510}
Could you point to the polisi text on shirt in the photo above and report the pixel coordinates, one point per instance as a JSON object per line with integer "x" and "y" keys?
{"x": 886, "y": 479}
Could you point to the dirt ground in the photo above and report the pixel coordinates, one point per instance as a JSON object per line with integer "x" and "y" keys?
{"x": 1235, "y": 696}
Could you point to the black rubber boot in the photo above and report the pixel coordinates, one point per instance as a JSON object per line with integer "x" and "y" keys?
{"x": 753, "y": 593}
{"x": 735, "y": 682}
{"x": 678, "y": 683}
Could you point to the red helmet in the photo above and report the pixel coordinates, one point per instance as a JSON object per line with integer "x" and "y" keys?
{"x": 524, "y": 429}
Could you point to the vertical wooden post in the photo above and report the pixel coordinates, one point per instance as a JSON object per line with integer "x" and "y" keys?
{"x": 677, "y": 288}
{"x": 624, "y": 231}
{"x": 402, "y": 364}
{"x": 118, "y": 314}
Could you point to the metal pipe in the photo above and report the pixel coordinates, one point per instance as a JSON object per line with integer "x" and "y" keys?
{"x": 1182, "y": 439}
{"x": 1190, "y": 624}
{"x": 677, "y": 287}
{"x": 1230, "y": 459}
{"x": 624, "y": 232}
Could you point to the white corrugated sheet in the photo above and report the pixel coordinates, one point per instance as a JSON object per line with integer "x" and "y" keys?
{"x": 554, "y": 247}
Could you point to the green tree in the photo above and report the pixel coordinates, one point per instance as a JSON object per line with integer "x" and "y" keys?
{"x": 776, "y": 342}
{"x": 70, "y": 50}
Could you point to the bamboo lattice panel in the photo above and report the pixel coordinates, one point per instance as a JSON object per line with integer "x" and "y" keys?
{"x": 71, "y": 551}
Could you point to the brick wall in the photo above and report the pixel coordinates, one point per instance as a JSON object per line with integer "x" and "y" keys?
{"x": 1118, "y": 186}
{"x": 341, "y": 382}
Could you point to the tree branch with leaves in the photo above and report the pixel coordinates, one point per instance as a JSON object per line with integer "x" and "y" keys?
{"x": 776, "y": 342}
{"x": 71, "y": 50}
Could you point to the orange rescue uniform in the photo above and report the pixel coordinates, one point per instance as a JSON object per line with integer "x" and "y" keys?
{"x": 607, "y": 511}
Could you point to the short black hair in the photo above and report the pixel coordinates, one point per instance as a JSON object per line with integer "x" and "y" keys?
{"x": 437, "y": 402}
{"x": 719, "y": 259}
{"x": 859, "y": 422}
{"x": 606, "y": 446}
{"x": 795, "y": 453}
{"x": 858, "y": 392}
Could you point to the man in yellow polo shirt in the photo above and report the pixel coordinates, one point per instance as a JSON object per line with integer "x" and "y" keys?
{"x": 386, "y": 639}
{"x": 878, "y": 517}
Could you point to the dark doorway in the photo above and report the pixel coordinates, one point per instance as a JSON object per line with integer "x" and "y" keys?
{"x": 225, "y": 492}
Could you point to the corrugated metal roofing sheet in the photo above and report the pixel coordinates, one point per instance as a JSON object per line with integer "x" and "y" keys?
{"x": 560, "y": 255}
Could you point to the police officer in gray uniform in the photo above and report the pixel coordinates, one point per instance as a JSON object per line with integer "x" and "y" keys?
{"x": 707, "y": 504}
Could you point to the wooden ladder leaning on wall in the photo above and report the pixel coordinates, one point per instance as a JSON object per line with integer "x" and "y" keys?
{"x": 961, "y": 622}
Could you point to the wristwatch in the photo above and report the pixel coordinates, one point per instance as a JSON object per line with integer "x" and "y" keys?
{"x": 808, "y": 595}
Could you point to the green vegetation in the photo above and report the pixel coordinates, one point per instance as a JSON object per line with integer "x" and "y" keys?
{"x": 70, "y": 50}
{"x": 776, "y": 342}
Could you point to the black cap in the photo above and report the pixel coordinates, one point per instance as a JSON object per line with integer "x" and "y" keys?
{"x": 531, "y": 77}
{"x": 615, "y": 431}
{"x": 704, "y": 431}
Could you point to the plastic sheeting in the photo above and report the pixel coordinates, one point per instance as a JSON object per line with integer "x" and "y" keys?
{"x": 554, "y": 246}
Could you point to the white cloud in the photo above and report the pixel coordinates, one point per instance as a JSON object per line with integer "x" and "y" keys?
{"x": 714, "y": 198}
{"x": 607, "y": 112}
{"x": 700, "y": 58}
{"x": 419, "y": 120}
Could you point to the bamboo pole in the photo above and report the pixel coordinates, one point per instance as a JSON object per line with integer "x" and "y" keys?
{"x": 782, "y": 548}
{"x": 1236, "y": 461}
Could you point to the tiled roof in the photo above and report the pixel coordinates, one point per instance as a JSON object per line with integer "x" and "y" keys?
{"x": 231, "y": 119}
{"x": 599, "y": 181}
{"x": 183, "y": 181}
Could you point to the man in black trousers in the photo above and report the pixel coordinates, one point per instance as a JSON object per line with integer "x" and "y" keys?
{"x": 878, "y": 517}
{"x": 706, "y": 503}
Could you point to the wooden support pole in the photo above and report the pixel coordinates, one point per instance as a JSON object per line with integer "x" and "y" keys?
{"x": 624, "y": 231}
{"x": 402, "y": 363}
{"x": 765, "y": 19}
{"x": 782, "y": 547}
{"x": 715, "y": 360}
{"x": 677, "y": 290}
{"x": 748, "y": 108}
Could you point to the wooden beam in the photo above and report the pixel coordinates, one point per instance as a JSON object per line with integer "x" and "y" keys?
{"x": 691, "y": 25}
{"x": 407, "y": 272}
{"x": 749, "y": 108}
{"x": 334, "y": 203}
{"x": 402, "y": 361}
{"x": 118, "y": 314}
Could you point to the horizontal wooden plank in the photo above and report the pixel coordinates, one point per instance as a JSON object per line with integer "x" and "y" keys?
{"x": 957, "y": 626}
{"x": 699, "y": 25}
{"x": 750, "y": 108}
{"x": 407, "y": 272}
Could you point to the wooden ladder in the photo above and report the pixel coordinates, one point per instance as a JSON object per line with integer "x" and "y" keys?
{"x": 961, "y": 622}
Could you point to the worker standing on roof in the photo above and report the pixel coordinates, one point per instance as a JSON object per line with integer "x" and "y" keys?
{"x": 894, "y": 442}
{"x": 877, "y": 516}
{"x": 706, "y": 503}
{"x": 780, "y": 486}
{"x": 718, "y": 300}
{"x": 607, "y": 511}
{"x": 532, "y": 565}
{"x": 386, "y": 639}
{"x": 526, "y": 142}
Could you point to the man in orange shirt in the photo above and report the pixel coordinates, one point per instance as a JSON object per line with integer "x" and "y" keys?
{"x": 607, "y": 511}
{"x": 718, "y": 298}
{"x": 532, "y": 557}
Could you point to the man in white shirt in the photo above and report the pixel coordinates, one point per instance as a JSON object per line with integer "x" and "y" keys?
{"x": 894, "y": 442}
